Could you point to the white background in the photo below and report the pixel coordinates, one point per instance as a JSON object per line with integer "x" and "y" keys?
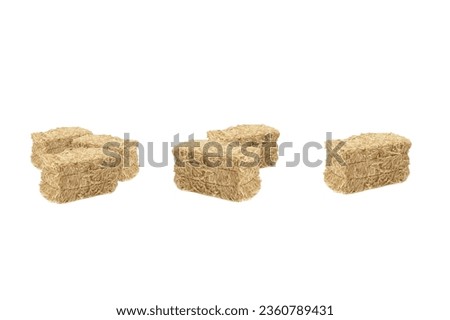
{"x": 155, "y": 69}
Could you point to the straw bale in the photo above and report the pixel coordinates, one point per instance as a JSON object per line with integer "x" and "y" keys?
{"x": 127, "y": 150}
{"x": 53, "y": 141}
{"x": 232, "y": 176}
{"x": 262, "y": 136}
{"x": 77, "y": 174}
{"x": 371, "y": 160}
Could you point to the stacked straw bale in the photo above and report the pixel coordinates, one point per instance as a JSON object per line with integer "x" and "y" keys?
{"x": 77, "y": 174}
{"x": 262, "y": 136}
{"x": 227, "y": 175}
{"x": 77, "y": 164}
{"x": 125, "y": 150}
{"x": 371, "y": 160}
{"x": 54, "y": 141}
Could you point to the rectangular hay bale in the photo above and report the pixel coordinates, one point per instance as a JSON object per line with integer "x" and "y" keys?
{"x": 77, "y": 174}
{"x": 53, "y": 141}
{"x": 227, "y": 175}
{"x": 127, "y": 150}
{"x": 370, "y": 160}
{"x": 262, "y": 136}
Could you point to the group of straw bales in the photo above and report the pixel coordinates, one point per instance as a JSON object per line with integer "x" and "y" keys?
{"x": 76, "y": 164}
{"x": 366, "y": 161}
{"x": 227, "y": 164}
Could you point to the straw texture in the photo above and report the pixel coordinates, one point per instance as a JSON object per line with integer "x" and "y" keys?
{"x": 371, "y": 160}
{"x": 227, "y": 175}
{"x": 127, "y": 150}
{"x": 262, "y": 136}
{"x": 54, "y": 141}
{"x": 77, "y": 174}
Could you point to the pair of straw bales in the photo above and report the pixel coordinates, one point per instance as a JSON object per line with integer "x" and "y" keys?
{"x": 367, "y": 161}
{"x": 227, "y": 164}
{"x": 76, "y": 164}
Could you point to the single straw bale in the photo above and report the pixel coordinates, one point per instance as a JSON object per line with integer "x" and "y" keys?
{"x": 125, "y": 150}
{"x": 262, "y": 136}
{"x": 367, "y": 161}
{"x": 76, "y": 174}
{"x": 53, "y": 141}
{"x": 228, "y": 175}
